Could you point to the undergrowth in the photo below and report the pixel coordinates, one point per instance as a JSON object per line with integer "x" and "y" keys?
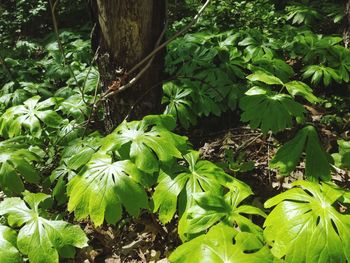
{"x": 273, "y": 67}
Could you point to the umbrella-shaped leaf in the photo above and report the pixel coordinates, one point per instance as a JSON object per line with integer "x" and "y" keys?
{"x": 17, "y": 163}
{"x": 317, "y": 160}
{"x": 148, "y": 143}
{"x": 304, "y": 226}
{"x": 269, "y": 111}
{"x": 223, "y": 244}
{"x": 104, "y": 187}
{"x": 298, "y": 88}
{"x": 264, "y": 77}
{"x": 211, "y": 208}
{"x": 29, "y": 116}
{"x": 8, "y": 247}
{"x": 199, "y": 176}
{"x": 39, "y": 238}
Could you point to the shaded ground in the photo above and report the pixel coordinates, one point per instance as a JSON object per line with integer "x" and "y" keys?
{"x": 238, "y": 148}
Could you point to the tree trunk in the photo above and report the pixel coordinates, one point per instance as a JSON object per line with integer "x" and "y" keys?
{"x": 127, "y": 31}
{"x": 347, "y": 25}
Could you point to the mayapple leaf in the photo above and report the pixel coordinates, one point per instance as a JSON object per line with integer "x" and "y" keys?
{"x": 29, "y": 116}
{"x": 8, "y": 246}
{"x": 179, "y": 104}
{"x": 16, "y": 164}
{"x": 183, "y": 182}
{"x": 104, "y": 187}
{"x": 317, "y": 160}
{"x": 269, "y": 111}
{"x": 342, "y": 158}
{"x": 210, "y": 209}
{"x": 319, "y": 73}
{"x": 304, "y": 225}
{"x": 298, "y": 88}
{"x": 39, "y": 238}
{"x": 223, "y": 244}
{"x": 264, "y": 77}
{"x": 149, "y": 144}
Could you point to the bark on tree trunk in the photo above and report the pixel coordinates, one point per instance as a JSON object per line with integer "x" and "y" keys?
{"x": 347, "y": 25}
{"x": 127, "y": 30}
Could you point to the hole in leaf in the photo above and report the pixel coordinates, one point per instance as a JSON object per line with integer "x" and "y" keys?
{"x": 335, "y": 227}
{"x": 233, "y": 241}
{"x": 296, "y": 201}
{"x": 308, "y": 211}
{"x": 308, "y": 192}
{"x": 251, "y": 251}
{"x": 318, "y": 220}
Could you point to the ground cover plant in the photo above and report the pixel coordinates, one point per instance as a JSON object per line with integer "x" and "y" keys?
{"x": 248, "y": 159}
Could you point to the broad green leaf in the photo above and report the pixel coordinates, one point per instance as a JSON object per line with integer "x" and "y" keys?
{"x": 304, "y": 226}
{"x": 273, "y": 66}
{"x": 319, "y": 72}
{"x": 39, "y": 238}
{"x": 80, "y": 159}
{"x": 211, "y": 208}
{"x": 317, "y": 160}
{"x": 179, "y": 104}
{"x": 59, "y": 177}
{"x": 265, "y": 78}
{"x": 269, "y": 111}
{"x": 17, "y": 162}
{"x": 8, "y": 246}
{"x": 177, "y": 188}
{"x": 223, "y": 244}
{"x": 104, "y": 187}
{"x": 147, "y": 144}
{"x": 298, "y": 88}
{"x": 29, "y": 116}
{"x": 342, "y": 158}
{"x": 300, "y": 13}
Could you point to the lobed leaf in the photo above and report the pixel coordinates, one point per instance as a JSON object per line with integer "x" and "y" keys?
{"x": 104, "y": 187}
{"x": 39, "y": 238}
{"x": 317, "y": 160}
{"x": 223, "y": 244}
{"x": 305, "y": 227}
{"x": 269, "y": 111}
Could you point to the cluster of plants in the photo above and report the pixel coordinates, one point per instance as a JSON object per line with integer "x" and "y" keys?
{"x": 52, "y": 165}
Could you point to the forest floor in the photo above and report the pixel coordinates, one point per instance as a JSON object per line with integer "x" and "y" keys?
{"x": 147, "y": 240}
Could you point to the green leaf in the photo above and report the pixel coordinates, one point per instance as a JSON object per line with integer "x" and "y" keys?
{"x": 319, "y": 72}
{"x": 269, "y": 111}
{"x": 298, "y": 88}
{"x": 342, "y": 159}
{"x": 179, "y": 187}
{"x": 211, "y": 208}
{"x": 305, "y": 227}
{"x": 80, "y": 159}
{"x": 17, "y": 162}
{"x": 179, "y": 104}
{"x": 147, "y": 144}
{"x": 265, "y": 78}
{"x": 273, "y": 66}
{"x": 29, "y": 116}
{"x": 223, "y": 244}
{"x": 8, "y": 249}
{"x": 39, "y": 238}
{"x": 317, "y": 160}
{"x": 104, "y": 187}
{"x": 198, "y": 177}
